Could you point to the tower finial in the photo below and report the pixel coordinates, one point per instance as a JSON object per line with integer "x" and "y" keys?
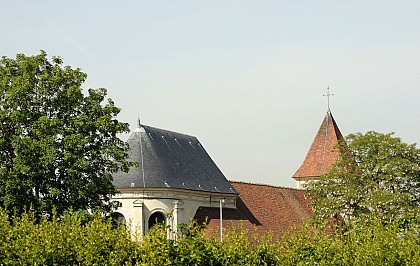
{"x": 139, "y": 127}
{"x": 328, "y": 96}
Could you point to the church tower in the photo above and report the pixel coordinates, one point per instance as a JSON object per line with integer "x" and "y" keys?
{"x": 323, "y": 153}
{"x": 174, "y": 178}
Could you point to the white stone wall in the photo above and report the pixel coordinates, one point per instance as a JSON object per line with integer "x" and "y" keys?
{"x": 300, "y": 183}
{"x": 178, "y": 206}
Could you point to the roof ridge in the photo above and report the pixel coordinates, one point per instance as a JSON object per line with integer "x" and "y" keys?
{"x": 168, "y": 131}
{"x": 261, "y": 184}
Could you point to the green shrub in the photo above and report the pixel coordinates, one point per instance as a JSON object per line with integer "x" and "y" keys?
{"x": 76, "y": 240}
{"x": 26, "y": 241}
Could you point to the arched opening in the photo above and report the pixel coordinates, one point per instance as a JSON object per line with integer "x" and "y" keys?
{"x": 117, "y": 219}
{"x": 156, "y": 218}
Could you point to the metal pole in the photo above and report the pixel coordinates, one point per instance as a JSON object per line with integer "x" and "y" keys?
{"x": 222, "y": 201}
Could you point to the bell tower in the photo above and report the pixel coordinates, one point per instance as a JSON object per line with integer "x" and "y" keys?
{"x": 324, "y": 151}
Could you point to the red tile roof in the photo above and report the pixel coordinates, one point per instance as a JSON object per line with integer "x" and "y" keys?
{"x": 261, "y": 207}
{"x": 323, "y": 152}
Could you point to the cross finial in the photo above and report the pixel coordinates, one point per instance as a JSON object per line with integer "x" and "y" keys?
{"x": 328, "y": 96}
{"x": 138, "y": 121}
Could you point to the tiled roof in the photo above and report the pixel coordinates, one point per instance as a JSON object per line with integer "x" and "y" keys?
{"x": 268, "y": 208}
{"x": 323, "y": 152}
{"x": 170, "y": 160}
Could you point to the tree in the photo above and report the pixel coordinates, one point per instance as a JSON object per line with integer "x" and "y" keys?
{"x": 377, "y": 176}
{"x": 58, "y": 147}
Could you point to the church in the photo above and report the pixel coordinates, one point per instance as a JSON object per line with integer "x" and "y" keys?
{"x": 177, "y": 181}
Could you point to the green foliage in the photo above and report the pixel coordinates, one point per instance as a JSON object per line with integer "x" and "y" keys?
{"x": 193, "y": 247}
{"x": 374, "y": 244}
{"x": 377, "y": 177}
{"x": 67, "y": 241}
{"x": 58, "y": 147}
{"x": 24, "y": 241}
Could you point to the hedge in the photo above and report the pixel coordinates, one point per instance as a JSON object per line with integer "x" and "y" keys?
{"x": 73, "y": 240}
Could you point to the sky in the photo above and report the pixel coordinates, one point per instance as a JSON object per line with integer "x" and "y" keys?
{"x": 247, "y": 78}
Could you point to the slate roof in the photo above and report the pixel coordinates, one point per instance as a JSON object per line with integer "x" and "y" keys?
{"x": 170, "y": 160}
{"x": 323, "y": 152}
{"x": 261, "y": 207}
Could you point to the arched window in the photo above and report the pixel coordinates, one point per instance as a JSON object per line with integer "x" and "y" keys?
{"x": 117, "y": 219}
{"x": 156, "y": 218}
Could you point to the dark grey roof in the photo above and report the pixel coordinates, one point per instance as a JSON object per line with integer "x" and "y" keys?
{"x": 171, "y": 160}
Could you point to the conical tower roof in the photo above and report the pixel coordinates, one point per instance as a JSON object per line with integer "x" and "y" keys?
{"x": 323, "y": 153}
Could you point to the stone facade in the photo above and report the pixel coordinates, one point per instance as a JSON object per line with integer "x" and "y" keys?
{"x": 176, "y": 206}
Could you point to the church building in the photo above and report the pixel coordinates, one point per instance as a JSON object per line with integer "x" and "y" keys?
{"x": 175, "y": 178}
{"x": 176, "y": 181}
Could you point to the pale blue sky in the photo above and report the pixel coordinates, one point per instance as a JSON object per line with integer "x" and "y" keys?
{"x": 245, "y": 77}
